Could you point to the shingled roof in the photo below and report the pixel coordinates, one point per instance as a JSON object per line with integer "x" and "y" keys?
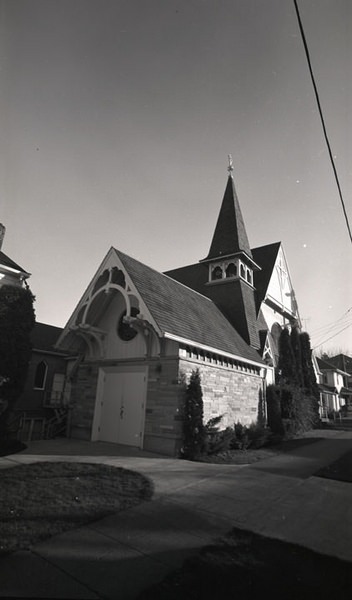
{"x": 181, "y": 312}
{"x": 44, "y": 337}
{"x": 230, "y": 235}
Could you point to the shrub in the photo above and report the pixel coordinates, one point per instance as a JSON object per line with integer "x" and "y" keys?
{"x": 220, "y": 441}
{"x": 273, "y": 401}
{"x": 16, "y": 323}
{"x": 258, "y": 436}
{"x": 194, "y": 434}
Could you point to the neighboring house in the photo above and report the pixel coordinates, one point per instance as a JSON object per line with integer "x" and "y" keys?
{"x": 10, "y": 272}
{"x": 43, "y": 392}
{"x": 41, "y": 410}
{"x": 343, "y": 365}
{"x": 137, "y": 334}
{"x": 334, "y": 392}
{"x": 45, "y": 381}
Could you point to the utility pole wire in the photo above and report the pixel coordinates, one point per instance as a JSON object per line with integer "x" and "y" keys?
{"x": 322, "y": 118}
{"x": 330, "y": 338}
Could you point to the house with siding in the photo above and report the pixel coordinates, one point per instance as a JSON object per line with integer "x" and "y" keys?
{"x": 336, "y": 385}
{"x": 136, "y": 335}
{"x": 10, "y": 272}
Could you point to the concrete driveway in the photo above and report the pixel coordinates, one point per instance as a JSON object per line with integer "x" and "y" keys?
{"x": 194, "y": 504}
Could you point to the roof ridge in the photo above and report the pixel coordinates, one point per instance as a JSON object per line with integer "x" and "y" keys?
{"x": 164, "y": 275}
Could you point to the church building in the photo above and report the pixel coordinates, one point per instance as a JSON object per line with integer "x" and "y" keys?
{"x": 137, "y": 334}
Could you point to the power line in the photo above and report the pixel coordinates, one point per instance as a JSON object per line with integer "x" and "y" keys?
{"x": 332, "y": 332}
{"x": 331, "y": 324}
{"x": 322, "y": 118}
{"x": 330, "y": 338}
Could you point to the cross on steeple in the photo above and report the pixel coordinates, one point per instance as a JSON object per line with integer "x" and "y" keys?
{"x": 230, "y": 167}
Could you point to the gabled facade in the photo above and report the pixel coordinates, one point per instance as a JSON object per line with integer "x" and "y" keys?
{"x": 134, "y": 338}
{"x": 275, "y": 297}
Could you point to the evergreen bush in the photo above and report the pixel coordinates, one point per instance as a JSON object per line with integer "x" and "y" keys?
{"x": 273, "y": 400}
{"x": 194, "y": 434}
{"x": 295, "y": 400}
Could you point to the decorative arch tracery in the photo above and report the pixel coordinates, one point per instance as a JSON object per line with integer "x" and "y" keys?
{"x": 109, "y": 283}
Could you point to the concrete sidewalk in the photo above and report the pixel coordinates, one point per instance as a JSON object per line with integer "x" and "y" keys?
{"x": 194, "y": 504}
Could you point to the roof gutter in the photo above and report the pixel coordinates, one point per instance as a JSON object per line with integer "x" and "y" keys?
{"x": 23, "y": 274}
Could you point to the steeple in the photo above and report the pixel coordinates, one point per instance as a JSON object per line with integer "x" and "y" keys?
{"x": 230, "y": 236}
{"x": 230, "y": 267}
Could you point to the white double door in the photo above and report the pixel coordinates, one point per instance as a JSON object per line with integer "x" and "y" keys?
{"x": 122, "y": 406}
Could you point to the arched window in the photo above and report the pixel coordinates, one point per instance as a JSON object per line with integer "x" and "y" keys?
{"x": 242, "y": 271}
{"x": 231, "y": 270}
{"x": 40, "y": 375}
{"x": 249, "y": 276}
{"x": 216, "y": 273}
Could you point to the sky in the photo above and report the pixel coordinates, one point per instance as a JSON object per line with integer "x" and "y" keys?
{"x": 116, "y": 120}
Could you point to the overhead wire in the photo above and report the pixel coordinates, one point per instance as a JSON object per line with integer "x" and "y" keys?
{"x": 332, "y": 332}
{"x": 330, "y": 338}
{"x": 331, "y": 324}
{"x": 322, "y": 118}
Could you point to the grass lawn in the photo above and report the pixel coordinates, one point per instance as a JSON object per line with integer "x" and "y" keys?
{"x": 248, "y": 566}
{"x": 46, "y": 498}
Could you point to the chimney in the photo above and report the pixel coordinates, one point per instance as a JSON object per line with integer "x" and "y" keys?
{"x": 2, "y": 233}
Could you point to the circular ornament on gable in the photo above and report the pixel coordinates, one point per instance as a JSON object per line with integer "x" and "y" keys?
{"x": 125, "y": 330}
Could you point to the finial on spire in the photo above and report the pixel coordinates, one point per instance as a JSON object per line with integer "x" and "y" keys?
{"x": 230, "y": 167}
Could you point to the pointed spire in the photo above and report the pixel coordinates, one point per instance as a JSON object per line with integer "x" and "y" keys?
{"x": 230, "y": 235}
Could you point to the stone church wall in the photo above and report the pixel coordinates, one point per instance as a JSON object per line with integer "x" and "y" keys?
{"x": 235, "y": 394}
{"x": 163, "y": 419}
{"x": 83, "y": 395}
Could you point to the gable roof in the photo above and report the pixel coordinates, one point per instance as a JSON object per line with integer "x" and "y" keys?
{"x": 8, "y": 262}
{"x": 324, "y": 365}
{"x": 194, "y": 276}
{"x": 230, "y": 236}
{"x": 44, "y": 337}
{"x": 183, "y": 313}
{"x": 265, "y": 256}
{"x": 342, "y": 362}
